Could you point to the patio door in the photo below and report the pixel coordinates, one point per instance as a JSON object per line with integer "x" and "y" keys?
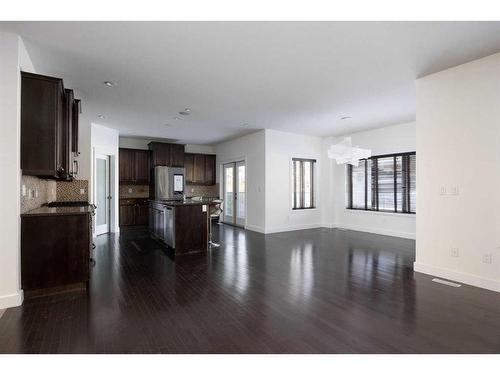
{"x": 235, "y": 193}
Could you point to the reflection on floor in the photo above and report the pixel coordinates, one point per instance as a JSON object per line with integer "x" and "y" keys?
{"x": 310, "y": 291}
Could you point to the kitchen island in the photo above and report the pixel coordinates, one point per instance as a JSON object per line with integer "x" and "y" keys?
{"x": 183, "y": 225}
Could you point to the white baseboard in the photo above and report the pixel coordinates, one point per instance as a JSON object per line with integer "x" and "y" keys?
{"x": 290, "y": 228}
{"x": 12, "y": 300}
{"x": 255, "y": 228}
{"x": 461, "y": 277}
{"x": 385, "y": 232}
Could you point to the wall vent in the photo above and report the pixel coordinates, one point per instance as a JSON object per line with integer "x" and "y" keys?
{"x": 445, "y": 282}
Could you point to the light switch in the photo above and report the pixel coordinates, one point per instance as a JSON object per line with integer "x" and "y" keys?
{"x": 204, "y": 208}
{"x": 82, "y": 191}
{"x": 36, "y": 193}
{"x": 23, "y": 190}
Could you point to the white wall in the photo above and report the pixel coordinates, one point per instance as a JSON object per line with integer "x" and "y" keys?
{"x": 105, "y": 141}
{"x": 458, "y": 146}
{"x": 387, "y": 140}
{"x": 250, "y": 148}
{"x": 142, "y": 144}
{"x": 13, "y": 58}
{"x": 281, "y": 147}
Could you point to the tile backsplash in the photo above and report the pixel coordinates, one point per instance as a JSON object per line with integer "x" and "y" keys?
{"x": 76, "y": 190}
{"x": 39, "y": 191}
{"x": 36, "y": 192}
{"x": 202, "y": 191}
{"x": 134, "y": 191}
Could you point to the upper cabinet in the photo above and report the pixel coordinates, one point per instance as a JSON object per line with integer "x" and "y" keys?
{"x": 176, "y": 155}
{"x": 200, "y": 169}
{"x": 160, "y": 153}
{"x": 47, "y": 128}
{"x": 167, "y": 154}
{"x": 134, "y": 166}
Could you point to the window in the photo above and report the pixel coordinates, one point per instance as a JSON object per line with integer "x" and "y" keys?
{"x": 303, "y": 183}
{"x": 383, "y": 183}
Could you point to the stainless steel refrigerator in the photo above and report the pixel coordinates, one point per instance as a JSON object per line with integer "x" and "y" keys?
{"x": 169, "y": 183}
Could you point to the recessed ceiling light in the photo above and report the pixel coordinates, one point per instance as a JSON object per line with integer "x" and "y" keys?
{"x": 177, "y": 118}
{"x": 186, "y": 112}
{"x": 101, "y": 116}
{"x": 110, "y": 83}
{"x": 346, "y": 118}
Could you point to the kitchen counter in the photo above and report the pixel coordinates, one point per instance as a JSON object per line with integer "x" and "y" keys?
{"x": 50, "y": 211}
{"x": 189, "y": 202}
{"x": 183, "y": 225}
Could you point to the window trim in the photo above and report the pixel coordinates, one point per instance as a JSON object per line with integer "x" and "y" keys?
{"x": 406, "y": 199}
{"x": 314, "y": 163}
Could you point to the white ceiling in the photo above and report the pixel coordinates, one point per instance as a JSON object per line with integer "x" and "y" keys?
{"x": 294, "y": 76}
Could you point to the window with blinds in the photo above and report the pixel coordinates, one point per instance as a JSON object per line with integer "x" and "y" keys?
{"x": 383, "y": 183}
{"x": 303, "y": 183}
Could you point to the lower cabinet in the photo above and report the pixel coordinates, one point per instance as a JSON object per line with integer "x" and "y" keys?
{"x": 55, "y": 251}
{"x": 134, "y": 212}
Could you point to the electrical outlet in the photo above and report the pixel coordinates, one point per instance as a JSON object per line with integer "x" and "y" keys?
{"x": 454, "y": 252}
{"x": 82, "y": 191}
{"x": 442, "y": 191}
{"x": 455, "y": 190}
{"x": 487, "y": 258}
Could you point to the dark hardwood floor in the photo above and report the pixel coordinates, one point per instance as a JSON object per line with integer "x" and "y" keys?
{"x": 311, "y": 291}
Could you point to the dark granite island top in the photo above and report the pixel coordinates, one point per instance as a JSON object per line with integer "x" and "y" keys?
{"x": 50, "y": 211}
{"x": 188, "y": 202}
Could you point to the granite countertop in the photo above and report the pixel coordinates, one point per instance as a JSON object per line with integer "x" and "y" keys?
{"x": 189, "y": 202}
{"x": 49, "y": 211}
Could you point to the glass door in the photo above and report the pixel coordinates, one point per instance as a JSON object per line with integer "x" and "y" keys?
{"x": 235, "y": 193}
{"x": 102, "y": 196}
{"x": 240, "y": 196}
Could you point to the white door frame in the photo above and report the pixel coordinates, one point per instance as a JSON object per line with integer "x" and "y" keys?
{"x": 103, "y": 228}
{"x": 233, "y": 219}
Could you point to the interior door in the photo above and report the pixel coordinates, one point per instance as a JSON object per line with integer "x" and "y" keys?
{"x": 102, "y": 195}
{"x": 235, "y": 193}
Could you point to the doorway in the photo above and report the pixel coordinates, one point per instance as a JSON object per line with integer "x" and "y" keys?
{"x": 102, "y": 194}
{"x": 234, "y": 174}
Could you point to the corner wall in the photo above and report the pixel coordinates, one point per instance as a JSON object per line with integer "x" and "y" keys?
{"x": 13, "y": 59}
{"x": 387, "y": 140}
{"x": 281, "y": 147}
{"x": 458, "y": 169}
{"x": 250, "y": 148}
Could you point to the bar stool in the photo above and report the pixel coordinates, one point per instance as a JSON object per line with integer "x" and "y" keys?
{"x": 215, "y": 212}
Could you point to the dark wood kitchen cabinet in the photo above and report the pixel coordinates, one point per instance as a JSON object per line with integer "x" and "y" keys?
{"x": 200, "y": 169}
{"x": 55, "y": 250}
{"x": 167, "y": 154}
{"x": 160, "y": 153}
{"x": 134, "y": 166}
{"x": 47, "y": 127}
{"x": 189, "y": 166}
{"x": 134, "y": 212}
{"x": 176, "y": 155}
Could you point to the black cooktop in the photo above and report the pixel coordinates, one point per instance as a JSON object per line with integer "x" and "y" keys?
{"x": 68, "y": 204}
